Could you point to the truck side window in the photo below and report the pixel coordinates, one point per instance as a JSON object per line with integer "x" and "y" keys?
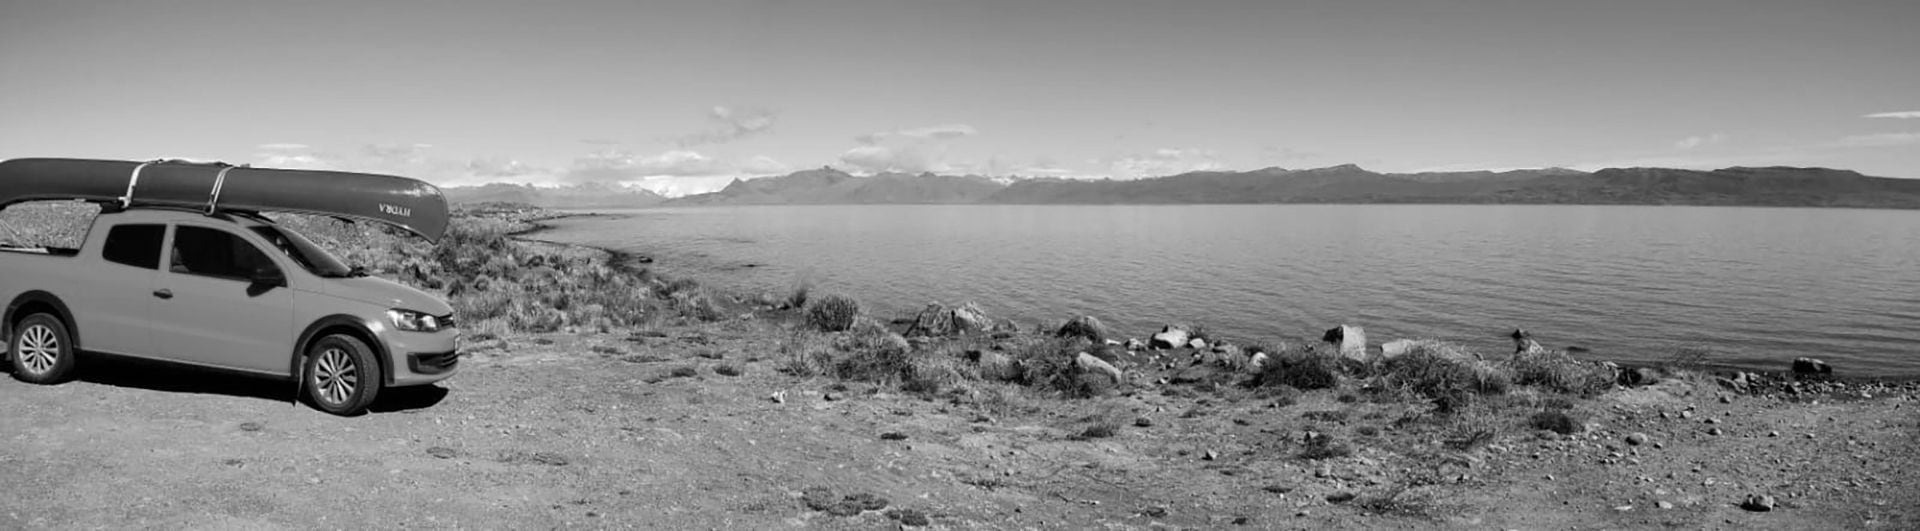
{"x": 137, "y": 245}
{"x": 214, "y": 253}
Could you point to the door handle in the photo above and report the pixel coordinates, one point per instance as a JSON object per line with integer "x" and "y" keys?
{"x": 163, "y": 293}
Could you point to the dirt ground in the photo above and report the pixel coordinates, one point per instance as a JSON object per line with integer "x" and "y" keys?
{"x": 598, "y": 431}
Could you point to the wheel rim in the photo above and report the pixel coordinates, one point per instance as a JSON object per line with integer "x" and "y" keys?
{"x": 39, "y": 349}
{"x": 335, "y": 376}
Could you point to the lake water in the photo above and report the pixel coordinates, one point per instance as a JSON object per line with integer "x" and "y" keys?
{"x": 1756, "y": 286}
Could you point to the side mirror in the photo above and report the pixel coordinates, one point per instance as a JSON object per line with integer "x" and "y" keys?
{"x": 268, "y": 277}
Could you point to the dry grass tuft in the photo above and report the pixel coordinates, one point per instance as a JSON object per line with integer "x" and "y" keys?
{"x": 1304, "y": 370}
{"x": 1437, "y": 370}
{"x": 832, "y": 313}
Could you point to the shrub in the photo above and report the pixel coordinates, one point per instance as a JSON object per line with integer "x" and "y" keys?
{"x": 832, "y": 313}
{"x": 699, "y": 303}
{"x": 1440, "y": 370}
{"x": 684, "y": 372}
{"x": 932, "y": 374}
{"x": 798, "y": 297}
{"x": 806, "y": 354}
{"x": 726, "y": 370}
{"x": 1560, "y": 372}
{"x": 1324, "y": 446}
{"x": 1473, "y": 439}
{"x": 1300, "y": 370}
{"x": 872, "y": 353}
{"x": 1048, "y": 363}
{"x": 1100, "y": 430}
{"x": 1561, "y": 422}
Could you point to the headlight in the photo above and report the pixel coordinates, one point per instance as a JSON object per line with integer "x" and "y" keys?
{"x": 412, "y": 321}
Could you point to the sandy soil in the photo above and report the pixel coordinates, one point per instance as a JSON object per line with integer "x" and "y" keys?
{"x": 596, "y": 431}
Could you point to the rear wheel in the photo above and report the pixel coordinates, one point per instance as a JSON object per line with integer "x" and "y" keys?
{"x": 41, "y": 350}
{"x": 341, "y": 376}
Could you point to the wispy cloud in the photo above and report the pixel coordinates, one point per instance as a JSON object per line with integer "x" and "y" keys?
{"x": 672, "y": 173}
{"x": 1165, "y": 161}
{"x": 920, "y": 149}
{"x": 293, "y": 156}
{"x": 1896, "y": 114}
{"x": 1877, "y": 140}
{"x": 1698, "y": 141}
{"x": 730, "y": 124}
{"x": 493, "y": 169}
{"x": 616, "y": 165}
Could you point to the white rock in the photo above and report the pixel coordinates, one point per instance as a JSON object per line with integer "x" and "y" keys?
{"x": 1396, "y": 348}
{"x": 1089, "y": 363}
{"x": 1258, "y": 362}
{"x": 1352, "y": 341}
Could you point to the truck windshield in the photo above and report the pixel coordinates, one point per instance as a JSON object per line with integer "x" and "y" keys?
{"x": 317, "y": 261}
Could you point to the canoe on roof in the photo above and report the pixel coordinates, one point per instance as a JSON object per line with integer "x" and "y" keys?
{"x": 409, "y": 204}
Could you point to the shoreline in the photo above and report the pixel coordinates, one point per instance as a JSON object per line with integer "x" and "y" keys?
{"x": 625, "y": 261}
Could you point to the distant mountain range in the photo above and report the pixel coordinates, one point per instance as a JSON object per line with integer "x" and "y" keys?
{"x": 578, "y": 196}
{"x": 828, "y": 186}
{"x": 1768, "y": 186}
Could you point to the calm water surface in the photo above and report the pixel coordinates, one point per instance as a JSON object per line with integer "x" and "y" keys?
{"x": 1758, "y": 286}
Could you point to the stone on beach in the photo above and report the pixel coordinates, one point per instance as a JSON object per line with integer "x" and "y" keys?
{"x": 1351, "y": 339}
{"x": 1090, "y": 364}
{"x": 1805, "y": 365}
{"x": 934, "y": 320}
{"x": 1084, "y": 326}
{"x": 970, "y": 318}
{"x": 1169, "y": 338}
{"x": 1523, "y": 343}
{"x": 1396, "y": 348}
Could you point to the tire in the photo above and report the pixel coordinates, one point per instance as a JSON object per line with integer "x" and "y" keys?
{"x": 340, "y": 375}
{"x": 41, "y": 350}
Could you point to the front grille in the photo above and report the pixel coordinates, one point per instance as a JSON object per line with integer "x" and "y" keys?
{"x": 433, "y": 363}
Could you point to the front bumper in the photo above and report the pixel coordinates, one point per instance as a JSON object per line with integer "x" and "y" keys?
{"x": 422, "y": 358}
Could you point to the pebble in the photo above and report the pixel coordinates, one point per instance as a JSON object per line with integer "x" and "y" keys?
{"x": 1636, "y": 438}
{"x": 1758, "y": 503}
{"x": 1143, "y": 422}
{"x": 1715, "y": 431}
{"x": 1210, "y": 455}
{"x": 1666, "y": 505}
{"x": 1773, "y": 434}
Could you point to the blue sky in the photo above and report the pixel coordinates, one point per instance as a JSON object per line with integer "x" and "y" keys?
{"x": 685, "y": 96}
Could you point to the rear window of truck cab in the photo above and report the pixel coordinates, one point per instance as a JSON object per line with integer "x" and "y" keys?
{"x": 134, "y": 244}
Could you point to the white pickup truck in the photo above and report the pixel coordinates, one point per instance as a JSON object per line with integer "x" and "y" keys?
{"x": 220, "y": 286}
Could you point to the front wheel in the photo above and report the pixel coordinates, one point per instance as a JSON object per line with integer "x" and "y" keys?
{"x": 42, "y": 350}
{"x": 341, "y": 376}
